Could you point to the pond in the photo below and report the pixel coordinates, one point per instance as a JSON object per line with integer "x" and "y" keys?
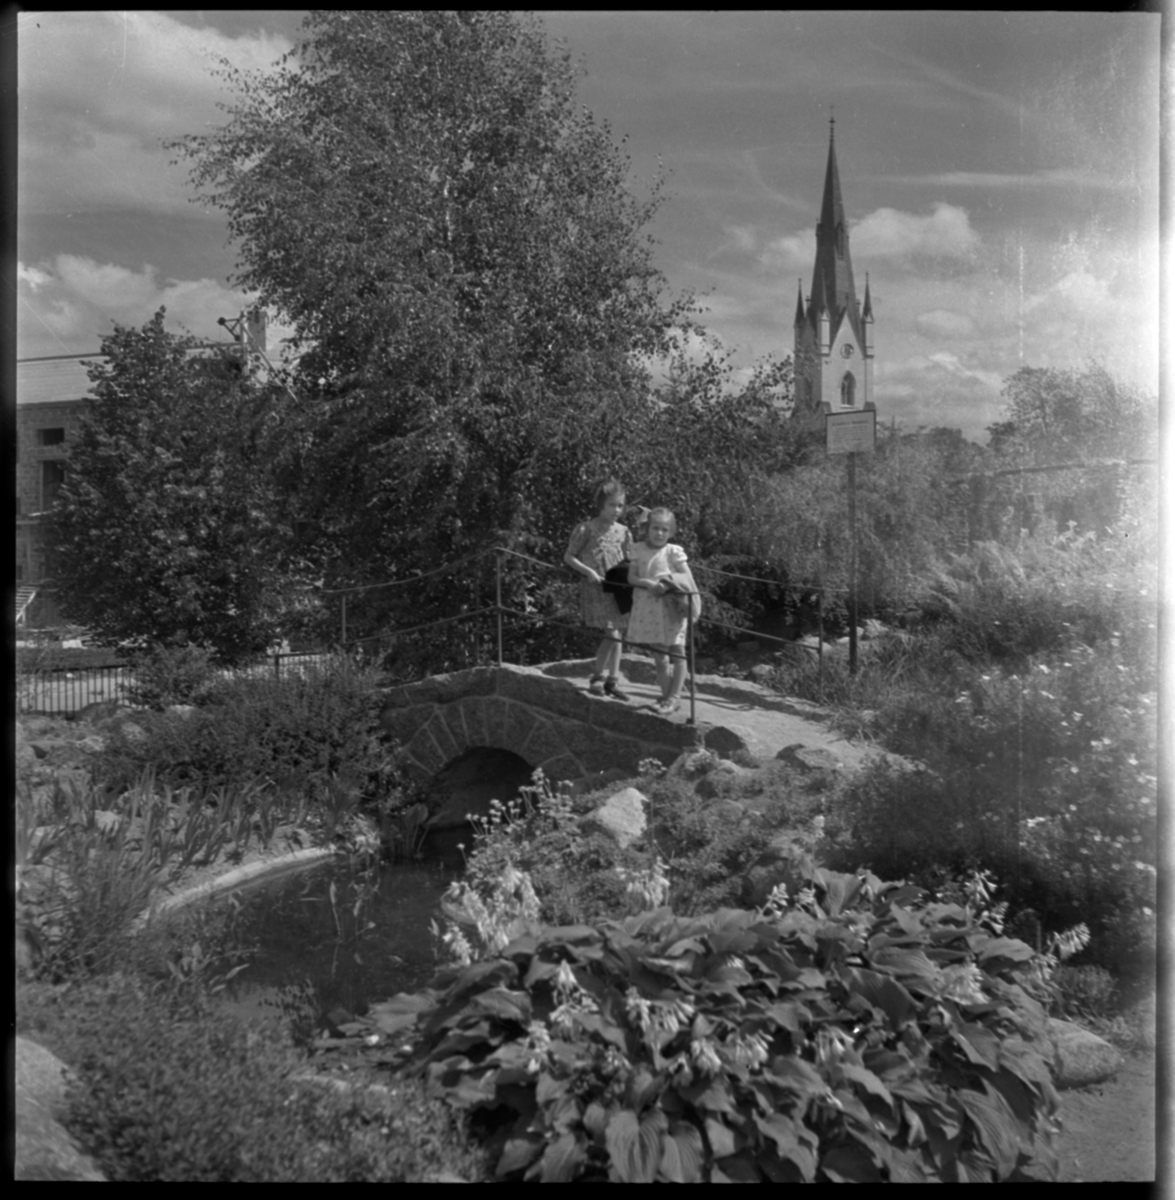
{"x": 345, "y": 935}
{"x": 312, "y": 933}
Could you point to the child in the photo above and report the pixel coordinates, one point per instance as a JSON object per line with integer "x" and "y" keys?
{"x": 595, "y": 547}
{"x": 659, "y": 574}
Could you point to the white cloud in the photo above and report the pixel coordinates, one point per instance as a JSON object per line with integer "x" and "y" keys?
{"x": 33, "y": 277}
{"x": 99, "y": 91}
{"x": 68, "y": 304}
{"x": 888, "y": 233}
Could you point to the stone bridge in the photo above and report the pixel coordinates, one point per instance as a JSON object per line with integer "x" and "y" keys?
{"x": 537, "y": 713}
{"x": 545, "y": 717}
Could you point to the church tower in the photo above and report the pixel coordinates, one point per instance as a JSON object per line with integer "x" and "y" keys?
{"x": 833, "y": 333}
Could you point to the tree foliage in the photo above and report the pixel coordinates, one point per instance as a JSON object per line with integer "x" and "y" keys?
{"x": 166, "y": 528}
{"x": 1055, "y": 415}
{"x": 467, "y": 274}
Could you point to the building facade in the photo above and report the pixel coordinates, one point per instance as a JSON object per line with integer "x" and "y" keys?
{"x": 833, "y": 333}
{"x": 50, "y": 396}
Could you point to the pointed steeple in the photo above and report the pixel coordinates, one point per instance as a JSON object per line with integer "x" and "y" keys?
{"x": 800, "y": 303}
{"x": 832, "y": 275}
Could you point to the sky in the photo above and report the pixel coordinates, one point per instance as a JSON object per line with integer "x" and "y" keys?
{"x": 1000, "y": 174}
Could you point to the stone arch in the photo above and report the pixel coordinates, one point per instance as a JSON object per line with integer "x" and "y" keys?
{"x": 465, "y": 786}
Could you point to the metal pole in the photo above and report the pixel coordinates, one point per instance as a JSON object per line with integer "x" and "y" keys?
{"x": 689, "y": 621}
{"x": 820, "y": 643}
{"x": 343, "y": 637}
{"x": 498, "y": 589}
{"x": 852, "y": 563}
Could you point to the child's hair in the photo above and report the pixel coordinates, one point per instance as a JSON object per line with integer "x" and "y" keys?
{"x": 610, "y": 489}
{"x": 666, "y": 515}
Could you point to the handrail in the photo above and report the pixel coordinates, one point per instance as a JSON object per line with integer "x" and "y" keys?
{"x": 500, "y": 609}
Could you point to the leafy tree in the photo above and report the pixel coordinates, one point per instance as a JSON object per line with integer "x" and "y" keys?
{"x": 167, "y": 527}
{"x": 469, "y": 282}
{"x": 1055, "y": 415}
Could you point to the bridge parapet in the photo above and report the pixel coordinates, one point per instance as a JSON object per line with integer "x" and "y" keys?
{"x": 548, "y": 721}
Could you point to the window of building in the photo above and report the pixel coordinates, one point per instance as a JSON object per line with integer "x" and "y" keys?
{"x": 848, "y": 391}
{"x": 52, "y": 477}
{"x": 50, "y": 437}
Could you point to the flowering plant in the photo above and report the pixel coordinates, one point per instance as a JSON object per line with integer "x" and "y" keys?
{"x": 857, "y": 1032}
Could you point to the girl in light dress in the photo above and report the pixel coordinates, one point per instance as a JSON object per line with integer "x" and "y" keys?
{"x": 663, "y": 587}
{"x": 595, "y": 547}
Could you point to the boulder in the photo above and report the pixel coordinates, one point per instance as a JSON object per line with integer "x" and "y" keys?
{"x": 722, "y": 780}
{"x": 44, "y": 1149}
{"x": 810, "y": 758}
{"x": 621, "y": 817}
{"x": 762, "y": 673}
{"x": 1082, "y": 1057}
{"x": 729, "y": 812}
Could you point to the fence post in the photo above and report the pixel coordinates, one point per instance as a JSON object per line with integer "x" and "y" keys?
{"x": 277, "y": 664}
{"x": 343, "y": 636}
{"x": 498, "y": 597}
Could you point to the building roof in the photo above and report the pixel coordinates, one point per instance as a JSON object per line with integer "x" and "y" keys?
{"x": 832, "y": 275}
{"x": 51, "y": 380}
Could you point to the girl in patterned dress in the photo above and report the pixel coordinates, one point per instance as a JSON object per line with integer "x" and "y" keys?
{"x": 660, "y": 575}
{"x": 595, "y": 547}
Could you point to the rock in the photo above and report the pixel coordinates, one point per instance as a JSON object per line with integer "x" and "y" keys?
{"x": 873, "y": 629}
{"x": 730, "y": 812}
{"x": 621, "y": 817}
{"x": 810, "y": 758}
{"x": 1082, "y": 1057}
{"x": 763, "y": 673}
{"x": 135, "y": 734}
{"x": 724, "y": 778}
{"x": 180, "y": 710}
{"x": 99, "y": 712}
{"x": 44, "y": 1149}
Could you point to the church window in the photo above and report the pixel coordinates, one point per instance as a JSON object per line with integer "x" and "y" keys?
{"x": 848, "y": 391}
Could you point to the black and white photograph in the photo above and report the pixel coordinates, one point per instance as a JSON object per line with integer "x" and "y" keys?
{"x": 587, "y": 595}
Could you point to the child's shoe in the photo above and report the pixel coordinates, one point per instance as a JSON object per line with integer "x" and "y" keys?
{"x": 665, "y": 707}
{"x": 611, "y": 688}
{"x": 596, "y": 685}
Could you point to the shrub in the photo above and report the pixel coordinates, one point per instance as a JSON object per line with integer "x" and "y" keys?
{"x": 171, "y": 1090}
{"x": 860, "y": 1035}
{"x": 167, "y": 675}
{"x": 1082, "y": 991}
{"x": 315, "y": 734}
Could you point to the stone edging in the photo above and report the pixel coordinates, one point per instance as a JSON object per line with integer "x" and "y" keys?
{"x": 265, "y": 871}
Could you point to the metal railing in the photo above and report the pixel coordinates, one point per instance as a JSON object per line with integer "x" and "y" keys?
{"x": 498, "y": 609}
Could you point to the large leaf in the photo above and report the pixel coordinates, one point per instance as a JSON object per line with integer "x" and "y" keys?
{"x": 635, "y": 1147}
{"x": 979, "y": 1044}
{"x": 682, "y": 1155}
{"x": 872, "y": 1085}
{"x": 1006, "y": 948}
{"x": 882, "y": 992}
{"x": 850, "y": 1163}
{"x": 562, "y": 1158}
{"x": 519, "y": 1152}
{"x": 738, "y": 1168}
{"x": 996, "y": 1127}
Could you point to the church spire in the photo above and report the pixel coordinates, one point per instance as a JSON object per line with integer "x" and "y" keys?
{"x": 832, "y": 276}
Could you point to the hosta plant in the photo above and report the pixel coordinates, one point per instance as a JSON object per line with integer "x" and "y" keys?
{"x": 858, "y": 1032}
